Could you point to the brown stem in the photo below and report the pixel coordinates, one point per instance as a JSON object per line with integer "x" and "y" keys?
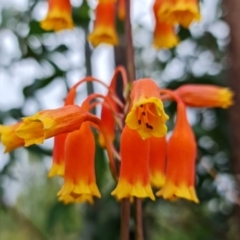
{"x": 125, "y": 216}
{"x": 132, "y": 76}
{"x": 129, "y": 43}
{"x": 138, "y": 219}
{"x": 232, "y": 8}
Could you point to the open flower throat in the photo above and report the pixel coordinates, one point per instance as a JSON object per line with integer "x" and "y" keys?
{"x": 145, "y": 157}
{"x": 147, "y": 115}
{"x": 144, "y": 113}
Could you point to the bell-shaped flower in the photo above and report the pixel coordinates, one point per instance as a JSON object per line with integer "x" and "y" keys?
{"x": 108, "y": 120}
{"x": 59, "y": 16}
{"x": 157, "y": 161}
{"x": 146, "y": 114}
{"x": 182, "y": 12}
{"x": 134, "y": 177}
{"x": 9, "y": 138}
{"x": 206, "y": 95}
{"x": 79, "y": 177}
{"x": 104, "y": 26}
{"x": 181, "y": 156}
{"x": 48, "y": 123}
{"x": 110, "y": 107}
{"x": 58, "y": 164}
{"x": 164, "y": 35}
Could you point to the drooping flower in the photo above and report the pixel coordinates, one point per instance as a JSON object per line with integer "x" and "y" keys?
{"x": 109, "y": 107}
{"x": 134, "y": 173}
{"x": 185, "y": 12}
{"x": 104, "y": 26}
{"x": 48, "y": 123}
{"x": 58, "y": 164}
{"x": 59, "y": 16}
{"x": 164, "y": 35}
{"x": 196, "y": 95}
{"x": 157, "y": 161}
{"x": 79, "y": 177}
{"x": 181, "y": 156}
{"x": 9, "y": 138}
{"x": 108, "y": 120}
{"x": 182, "y": 12}
{"x": 146, "y": 114}
{"x": 121, "y": 9}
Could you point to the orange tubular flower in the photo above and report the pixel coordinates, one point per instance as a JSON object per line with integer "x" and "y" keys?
{"x": 157, "y": 161}
{"x": 48, "y": 123}
{"x": 104, "y": 26}
{"x": 58, "y": 155}
{"x": 146, "y": 114}
{"x": 59, "y": 16}
{"x": 79, "y": 178}
{"x": 121, "y": 9}
{"x": 134, "y": 172}
{"x": 59, "y": 143}
{"x": 185, "y": 12}
{"x": 9, "y": 138}
{"x": 108, "y": 106}
{"x": 164, "y": 35}
{"x": 182, "y": 12}
{"x": 108, "y": 121}
{"x": 194, "y": 95}
{"x": 181, "y": 154}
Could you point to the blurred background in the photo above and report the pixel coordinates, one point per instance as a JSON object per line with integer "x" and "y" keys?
{"x": 36, "y": 70}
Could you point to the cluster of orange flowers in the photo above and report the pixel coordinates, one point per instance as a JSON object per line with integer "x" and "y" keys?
{"x": 167, "y": 13}
{"x": 147, "y": 159}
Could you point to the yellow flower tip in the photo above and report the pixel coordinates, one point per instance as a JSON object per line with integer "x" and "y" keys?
{"x": 9, "y": 138}
{"x": 226, "y": 97}
{"x": 184, "y": 14}
{"x": 171, "y": 191}
{"x": 57, "y": 20}
{"x": 103, "y": 34}
{"x": 81, "y": 188}
{"x": 127, "y": 190}
{"x": 147, "y": 117}
{"x": 56, "y": 170}
{"x": 166, "y": 41}
{"x": 76, "y": 198}
{"x": 157, "y": 179}
{"x": 31, "y": 130}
